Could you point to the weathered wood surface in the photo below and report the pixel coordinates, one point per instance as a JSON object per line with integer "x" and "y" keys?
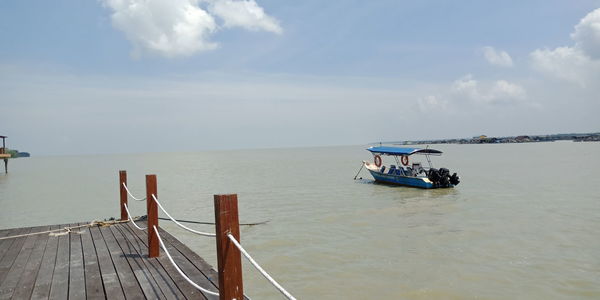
{"x": 98, "y": 263}
{"x": 228, "y": 256}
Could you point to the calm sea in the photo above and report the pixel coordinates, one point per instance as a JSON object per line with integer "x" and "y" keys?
{"x": 524, "y": 223}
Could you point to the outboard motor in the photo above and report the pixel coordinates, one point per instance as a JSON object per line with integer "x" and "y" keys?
{"x": 433, "y": 175}
{"x": 454, "y": 179}
{"x": 442, "y": 178}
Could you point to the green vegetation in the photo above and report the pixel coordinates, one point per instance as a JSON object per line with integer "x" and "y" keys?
{"x": 13, "y": 153}
{"x": 16, "y": 153}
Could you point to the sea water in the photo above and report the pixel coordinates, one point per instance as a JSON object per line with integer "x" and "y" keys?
{"x": 524, "y": 222}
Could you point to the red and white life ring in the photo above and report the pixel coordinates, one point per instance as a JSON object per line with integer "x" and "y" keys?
{"x": 404, "y": 160}
{"x": 377, "y": 160}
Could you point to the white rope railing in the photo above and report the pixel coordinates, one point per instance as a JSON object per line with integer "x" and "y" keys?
{"x": 261, "y": 270}
{"x": 131, "y": 195}
{"x": 179, "y": 224}
{"x": 131, "y": 219}
{"x": 162, "y": 245}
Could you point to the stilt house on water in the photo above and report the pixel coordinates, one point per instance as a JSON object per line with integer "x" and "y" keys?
{"x": 3, "y": 153}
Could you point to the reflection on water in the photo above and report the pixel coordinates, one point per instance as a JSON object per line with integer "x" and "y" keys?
{"x": 513, "y": 228}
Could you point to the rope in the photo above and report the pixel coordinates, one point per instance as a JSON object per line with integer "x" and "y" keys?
{"x": 181, "y": 225}
{"x": 131, "y": 219}
{"x": 132, "y": 196}
{"x": 261, "y": 270}
{"x": 67, "y": 230}
{"x": 361, "y": 167}
{"x": 162, "y": 245}
{"x": 213, "y": 223}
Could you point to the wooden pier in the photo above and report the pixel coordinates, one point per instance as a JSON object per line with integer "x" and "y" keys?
{"x": 98, "y": 263}
{"x": 116, "y": 260}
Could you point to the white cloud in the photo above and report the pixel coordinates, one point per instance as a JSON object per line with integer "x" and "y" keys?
{"x": 467, "y": 96}
{"x": 579, "y": 63}
{"x": 170, "y": 28}
{"x": 498, "y": 92}
{"x": 587, "y": 35}
{"x": 567, "y": 63}
{"x": 504, "y": 91}
{"x": 497, "y": 57}
{"x": 181, "y": 27}
{"x": 466, "y": 86}
{"x": 431, "y": 103}
{"x": 244, "y": 13}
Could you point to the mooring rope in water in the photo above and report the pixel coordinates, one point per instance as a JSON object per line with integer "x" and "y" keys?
{"x": 131, "y": 195}
{"x": 67, "y": 229}
{"x": 213, "y": 223}
{"x": 260, "y": 269}
{"x": 179, "y": 224}
{"x": 361, "y": 167}
{"x": 131, "y": 219}
{"x": 162, "y": 245}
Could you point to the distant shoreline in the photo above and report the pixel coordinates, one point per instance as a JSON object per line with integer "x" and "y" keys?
{"x": 483, "y": 139}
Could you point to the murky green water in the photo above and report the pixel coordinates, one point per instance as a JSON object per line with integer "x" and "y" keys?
{"x": 523, "y": 223}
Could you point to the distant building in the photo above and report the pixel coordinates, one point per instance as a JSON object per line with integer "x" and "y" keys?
{"x": 483, "y": 139}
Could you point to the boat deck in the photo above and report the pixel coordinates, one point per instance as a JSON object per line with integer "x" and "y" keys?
{"x": 98, "y": 262}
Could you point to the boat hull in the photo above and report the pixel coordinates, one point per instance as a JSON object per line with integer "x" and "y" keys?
{"x": 420, "y": 182}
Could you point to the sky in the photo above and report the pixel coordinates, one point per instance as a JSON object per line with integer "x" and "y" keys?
{"x": 130, "y": 76}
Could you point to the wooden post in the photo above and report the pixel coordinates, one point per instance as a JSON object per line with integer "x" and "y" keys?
{"x": 228, "y": 255}
{"x": 123, "y": 193}
{"x": 152, "y": 208}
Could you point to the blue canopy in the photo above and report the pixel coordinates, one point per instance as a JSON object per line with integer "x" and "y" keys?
{"x": 402, "y": 151}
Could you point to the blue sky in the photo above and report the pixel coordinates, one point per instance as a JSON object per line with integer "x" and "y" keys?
{"x": 301, "y": 73}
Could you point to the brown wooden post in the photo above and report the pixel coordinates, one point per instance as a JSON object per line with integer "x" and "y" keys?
{"x": 228, "y": 255}
{"x": 123, "y": 193}
{"x": 152, "y": 208}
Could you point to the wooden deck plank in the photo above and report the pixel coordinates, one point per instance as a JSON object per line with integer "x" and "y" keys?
{"x": 27, "y": 281}
{"x": 5, "y": 244}
{"x": 94, "y": 288}
{"x": 11, "y": 252}
{"x": 110, "y": 279}
{"x": 143, "y": 276}
{"x": 41, "y": 288}
{"x": 187, "y": 289}
{"x": 194, "y": 258}
{"x": 13, "y": 275}
{"x": 5, "y": 233}
{"x": 76, "y": 271}
{"x": 186, "y": 265}
{"x": 100, "y": 263}
{"x": 165, "y": 282}
{"x": 199, "y": 262}
{"x": 59, "y": 289}
{"x": 131, "y": 288}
